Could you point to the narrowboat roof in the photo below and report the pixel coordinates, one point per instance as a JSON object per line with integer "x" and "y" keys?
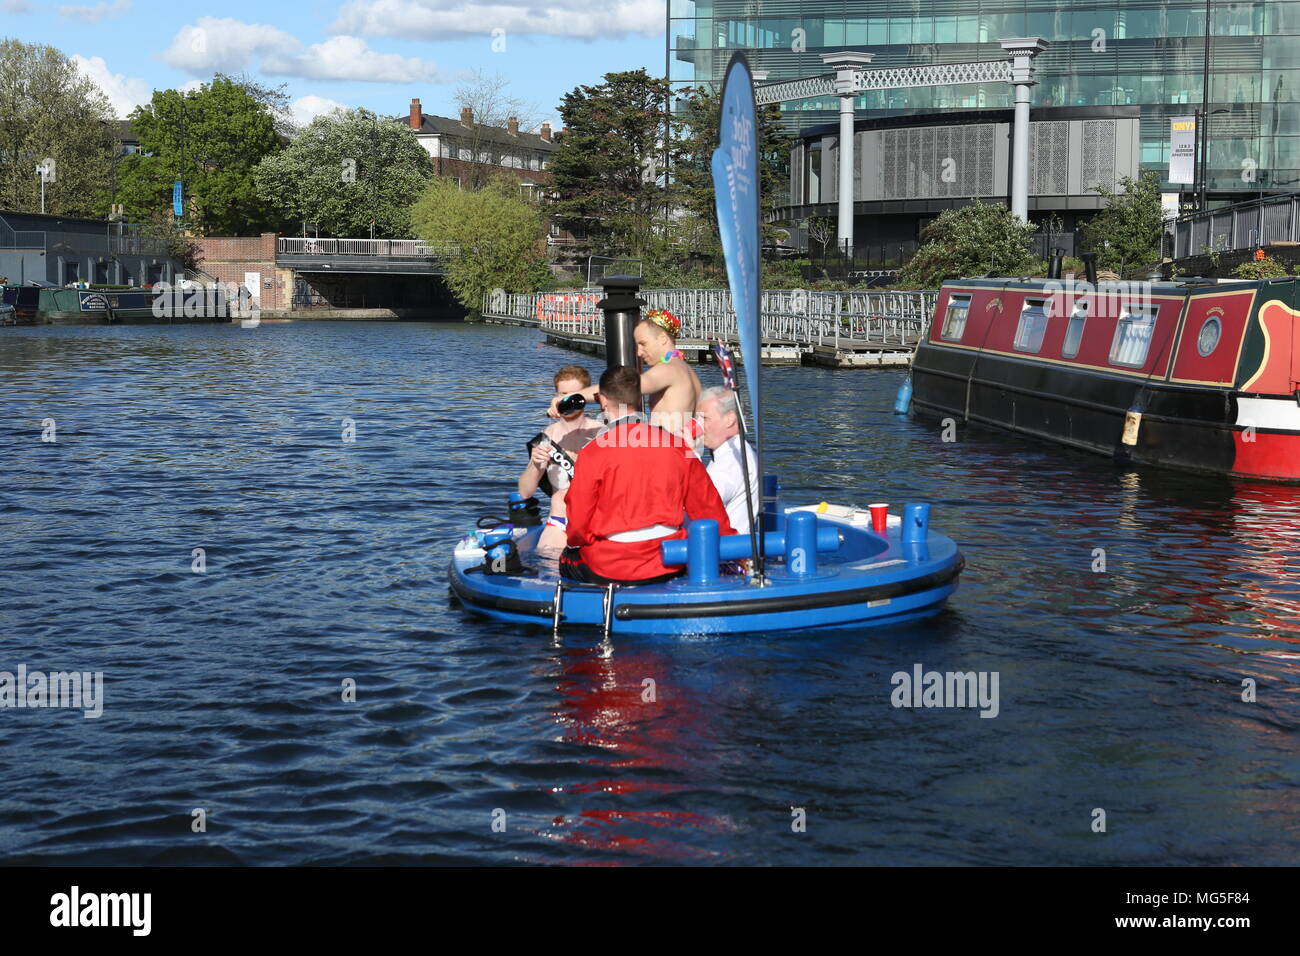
{"x": 1186, "y": 286}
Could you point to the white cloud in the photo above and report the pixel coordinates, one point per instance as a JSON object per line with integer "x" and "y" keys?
{"x": 124, "y": 92}
{"x": 231, "y": 46}
{"x": 15, "y": 6}
{"x": 100, "y": 11}
{"x": 457, "y": 19}
{"x": 224, "y": 45}
{"x": 307, "y": 108}
{"x": 348, "y": 58}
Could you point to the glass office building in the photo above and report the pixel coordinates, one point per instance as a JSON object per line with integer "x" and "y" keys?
{"x": 1145, "y": 54}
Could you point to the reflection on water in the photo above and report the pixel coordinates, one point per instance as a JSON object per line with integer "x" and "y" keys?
{"x": 325, "y": 562}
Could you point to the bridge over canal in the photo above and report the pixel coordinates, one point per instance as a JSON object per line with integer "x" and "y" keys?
{"x": 402, "y": 275}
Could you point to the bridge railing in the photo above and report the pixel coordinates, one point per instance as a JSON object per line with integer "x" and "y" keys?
{"x": 387, "y": 248}
{"x": 795, "y": 316}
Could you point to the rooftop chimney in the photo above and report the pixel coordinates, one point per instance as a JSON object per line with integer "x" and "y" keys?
{"x": 512, "y": 126}
{"x": 466, "y": 116}
{"x": 417, "y": 116}
{"x": 546, "y": 132}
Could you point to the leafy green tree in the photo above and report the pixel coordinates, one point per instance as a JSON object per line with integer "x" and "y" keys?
{"x": 48, "y": 110}
{"x": 499, "y": 232}
{"x": 695, "y": 137}
{"x": 608, "y": 161}
{"x": 1126, "y": 234}
{"x": 211, "y": 139}
{"x": 349, "y": 171}
{"x": 970, "y": 241}
{"x": 274, "y": 99}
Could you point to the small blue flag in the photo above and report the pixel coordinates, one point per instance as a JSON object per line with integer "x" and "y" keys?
{"x": 178, "y": 199}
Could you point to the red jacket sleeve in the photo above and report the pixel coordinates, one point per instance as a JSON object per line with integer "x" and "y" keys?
{"x": 580, "y": 500}
{"x": 702, "y": 498}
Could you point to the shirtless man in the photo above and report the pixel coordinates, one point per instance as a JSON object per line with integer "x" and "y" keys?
{"x": 569, "y": 435}
{"x": 669, "y": 382}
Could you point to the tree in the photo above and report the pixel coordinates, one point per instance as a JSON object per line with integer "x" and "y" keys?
{"x": 211, "y": 139}
{"x": 349, "y": 171}
{"x": 695, "y": 137}
{"x": 608, "y": 158}
{"x": 491, "y": 108}
{"x": 822, "y": 229}
{"x": 1126, "y": 234}
{"x": 500, "y": 235}
{"x": 274, "y": 99}
{"x": 48, "y": 110}
{"x": 970, "y": 241}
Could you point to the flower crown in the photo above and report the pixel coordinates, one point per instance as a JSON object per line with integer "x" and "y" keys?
{"x": 665, "y": 320}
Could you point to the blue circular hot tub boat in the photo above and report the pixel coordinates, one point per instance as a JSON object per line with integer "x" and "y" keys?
{"x": 824, "y": 566}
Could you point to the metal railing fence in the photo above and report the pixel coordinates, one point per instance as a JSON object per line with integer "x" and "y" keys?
{"x": 389, "y": 248}
{"x": 788, "y": 315}
{"x": 1243, "y": 225}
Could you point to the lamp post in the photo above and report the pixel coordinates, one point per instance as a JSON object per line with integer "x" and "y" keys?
{"x": 43, "y": 170}
{"x": 1205, "y": 110}
{"x": 1201, "y": 147}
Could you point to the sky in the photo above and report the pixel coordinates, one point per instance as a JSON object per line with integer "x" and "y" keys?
{"x": 377, "y": 54}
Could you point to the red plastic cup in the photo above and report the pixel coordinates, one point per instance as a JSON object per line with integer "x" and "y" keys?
{"x": 879, "y": 518}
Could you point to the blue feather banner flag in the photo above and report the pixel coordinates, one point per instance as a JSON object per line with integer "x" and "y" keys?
{"x": 735, "y": 190}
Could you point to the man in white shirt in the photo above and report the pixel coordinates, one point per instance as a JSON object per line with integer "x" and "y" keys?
{"x": 720, "y": 432}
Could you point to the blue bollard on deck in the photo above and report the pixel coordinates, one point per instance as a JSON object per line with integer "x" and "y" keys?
{"x": 916, "y": 532}
{"x": 801, "y": 542}
{"x": 702, "y": 552}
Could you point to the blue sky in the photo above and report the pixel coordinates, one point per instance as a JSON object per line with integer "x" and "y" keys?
{"x": 372, "y": 53}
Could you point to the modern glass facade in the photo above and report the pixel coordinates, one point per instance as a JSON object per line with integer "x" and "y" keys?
{"x": 1148, "y": 54}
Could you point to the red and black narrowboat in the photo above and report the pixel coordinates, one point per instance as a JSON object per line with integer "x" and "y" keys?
{"x": 1195, "y": 375}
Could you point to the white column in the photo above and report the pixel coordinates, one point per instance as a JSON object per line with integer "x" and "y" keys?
{"x": 1022, "y": 52}
{"x": 846, "y": 175}
{"x": 847, "y": 65}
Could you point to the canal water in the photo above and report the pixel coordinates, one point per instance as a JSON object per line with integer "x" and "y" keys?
{"x": 323, "y": 562}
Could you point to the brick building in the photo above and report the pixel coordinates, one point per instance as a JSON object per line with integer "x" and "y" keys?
{"x": 249, "y": 262}
{"x": 468, "y": 151}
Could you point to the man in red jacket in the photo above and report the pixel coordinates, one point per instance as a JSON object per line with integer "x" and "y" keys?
{"x": 635, "y": 486}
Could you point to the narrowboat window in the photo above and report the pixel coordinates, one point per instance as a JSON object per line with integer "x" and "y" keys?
{"x": 1132, "y": 337}
{"x": 1033, "y": 324}
{"x": 1208, "y": 340}
{"x": 954, "y": 320}
{"x": 1074, "y": 331}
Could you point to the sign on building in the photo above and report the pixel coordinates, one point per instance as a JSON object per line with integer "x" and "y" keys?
{"x": 1182, "y": 150}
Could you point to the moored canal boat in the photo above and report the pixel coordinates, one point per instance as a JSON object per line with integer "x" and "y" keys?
{"x": 1195, "y": 375}
{"x": 43, "y": 305}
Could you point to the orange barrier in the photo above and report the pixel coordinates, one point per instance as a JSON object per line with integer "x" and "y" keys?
{"x": 566, "y": 307}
